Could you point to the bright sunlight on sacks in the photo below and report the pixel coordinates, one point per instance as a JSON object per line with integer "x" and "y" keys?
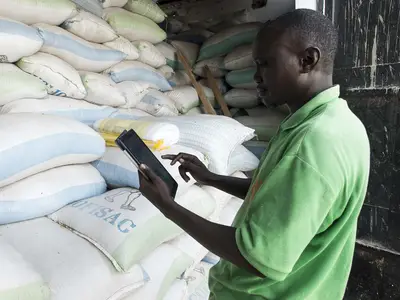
{"x": 48, "y": 191}
{"x": 79, "y": 110}
{"x": 125, "y": 225}
{"x": 240, "y": 58}
{"x": 61, "y": 78}
{"x": 138, "y": 71}
{"x": 90, "y": 28}
{"x": 216, "y": 66}
{"x": 241, "y": 98}
{"x": 16, "y": 84}
{"x": 149, "y": 129}
{"x": 118, "y": 170}
{"x": 185, "y": 98}
{"x": 225, "y": 41}
{"x": 124, "y": 45}
{"x": 17, "y": 40}
{"x": 146, "y": 8}
{"x": 35, "y": 11}
{"x": 133, "y": 26}
{"x": 133, "y": 92}
{"x": 52, "y": 141}
{"x": 18, "y": 279}
{"x": 242, "y": 79}
{"x": 80, "y": 54}
{"x": 59, "y": 255}
{"x": 215, "y": 136}
{"x": 149, "y": 54}
{"x": 158, "y": 104}
{"x": 92, "y": 6}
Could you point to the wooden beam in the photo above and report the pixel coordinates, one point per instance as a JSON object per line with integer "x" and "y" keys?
{"x": 217, "y": 93}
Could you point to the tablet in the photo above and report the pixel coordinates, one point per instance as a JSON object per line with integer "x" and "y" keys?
{"x": 139, "y": 153}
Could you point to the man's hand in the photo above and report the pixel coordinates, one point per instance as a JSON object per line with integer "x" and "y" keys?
{"x": 155, "y": 189}
{"x": 192, "y": 165}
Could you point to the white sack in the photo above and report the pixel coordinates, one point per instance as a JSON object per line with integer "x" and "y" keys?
{"x": 125, "y": 226}
{"x": 241, "y": 98}
{"x": 189, "y": 50}
{"x": 48, "y": 191}
{"x": 61, "y": 78}
{"x": 17, "y": 40}
{"x": 240, "y": 58}
{"x": 221, "y": 84}
{"x": 129, "y": 114}
{"x": 124, "y": 45}
{"x": 198, "y": 288}
{"x": 216, "y": 66}
{"x": 157, "y": 104}
{"x": 166, "y": 71}
{"x": 149, "y": 54}
{"x": 146, "y": 8}
{"x": 16, "y": 84}
{"x": 52, "y": 141}
{"x": 52, "y": 12}
{"x": 179, "y": 78}
{"x": 185, "y": 98}
{"x": 80, "y": 54}
{"x": 114, "y": 3}
{"x": 92, "y": 6}
{"x": 177, "y": 290}
{"x": 133, "y": 92}
{"x": 90, "y": 27}
{"x": 72, "y": 267}
{"x": 242, "y": 160}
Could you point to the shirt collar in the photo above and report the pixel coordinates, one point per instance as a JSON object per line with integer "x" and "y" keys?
{"x": 301, "y": 114}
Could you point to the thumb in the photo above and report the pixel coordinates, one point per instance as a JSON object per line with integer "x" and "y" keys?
{"x": 148, "y": 172}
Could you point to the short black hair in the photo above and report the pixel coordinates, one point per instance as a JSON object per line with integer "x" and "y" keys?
{"x": 314, "y": 27}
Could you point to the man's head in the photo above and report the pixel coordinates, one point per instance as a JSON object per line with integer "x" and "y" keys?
{"x": 294, "y": 54}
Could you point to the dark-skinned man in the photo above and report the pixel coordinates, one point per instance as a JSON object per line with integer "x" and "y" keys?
{"x": 294, "y": 237}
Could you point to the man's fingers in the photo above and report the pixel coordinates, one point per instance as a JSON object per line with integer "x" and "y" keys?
{"x": 175, "y": 158}
{"x": 148, "y": 173}
{"x": 183, "y": 172}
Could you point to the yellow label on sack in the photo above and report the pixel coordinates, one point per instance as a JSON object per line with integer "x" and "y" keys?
{"x": 118, "y": 126}
{"x": 111, "y": 137}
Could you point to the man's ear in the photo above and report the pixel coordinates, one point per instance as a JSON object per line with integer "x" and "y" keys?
{"x": 309, "y": 59}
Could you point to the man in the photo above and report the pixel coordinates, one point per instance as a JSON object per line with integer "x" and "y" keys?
{"x": 294, "y": 236}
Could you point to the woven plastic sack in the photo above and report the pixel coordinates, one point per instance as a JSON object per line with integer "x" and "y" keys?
{"x": 17, "y": 40}
{"x": 242, "y": 160}
{"x": 242, "y": 79}
{"x": 241, "y": 98}
{"x": 216, "y": 66}
{"x": 126, "y": 226}
{"x": 256, "y": 147}
{"x": 113, "y": 3}
{"x": 185, "y": 98}
{"x": 52, "y": 12}
{"x": 190, "y": 50}
{"x": 124, "y": 45}
{"x": 149, "y": 129}
{"x": 81, "y": 111}
{"x": 61, "y": 78}
{"x": 90, "y": 27}
{"x": 18, "y": 279}
{"x": 59, "y": 255}
{"x": 149, "y": 54}
{"x": 179, "y": 78}
{"x": 177, "y": 291}
{"x": 129, "y": 114}
{"x": 134, "y": 27}
{"x": 80, "y": 54}
{"x": 48, "y": 191}
{"x": 92, "y": 6}
{"x": 158, "y": 104}
{"x": 16, "y": 84}
{"x": 221, "y": 84}
{"x": 194, "y": 35}
{"x": 240, "y": 58}
{"x": 197, "y": 279}
{"x": 133, "y": 92}
{"x": 166, "y": 71}
{"x": 225, "y": 41}
{"x": 146, "y": 8}
{"x": 54, "y": 140}
{"x": 138, "y": 71}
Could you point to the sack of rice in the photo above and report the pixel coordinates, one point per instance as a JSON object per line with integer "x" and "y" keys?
{"x": 137, "y": 71}
{"x": 166, "y": 71}
{"x": 195, "y": 111}
{"x": 90, "y": 27}
{"x": 125, "y": 46}
{"x": 148, "y": 129}
{"x": 158, "y": 104}
{"x": 240, "y": 58}
{"x": 129, "y": 114}
{"x": 79, "y": 110}
{"x": 265, "y": 126}
{"x": 113, "y": 3}
{"x": 216, "y": 66}
{"x": 258, "y": 148}
{"x": 198, "y": 288}
{"x": 242, "y": 160}
{"x": 146, "y": 8}
{"x": 80, "y": 54}
{"x": 92, "y": 6}
{"x": 101, "y": 89}
{"x": 240, "y": 98}
{"x": 48, "y": 191}
{"x": 177, "y": 291}
{"x": 196, "y": 36}
{"x": 189, "y": 50}
{"x": 125, "y": 225}
{"x": 61, "y": 78}
{"x": 179, "y": 78}
{"x": 242, "y": 79}
{"x": 215, "y": 136}
{"x": 59, "y": 255}
{"x": 229, "y": 20}
{"x": 133, "y": 26}
{"x": 52, "y": 12}
{"x": 227, "y": 40}
{"x": 118, "y": 171}
{"x": 133, "y": 92}
{"x": 149, "y": 54}
{"x": 19, "y": 280}
{"x": 185, "y": 98}
{"x": 221, "y": 84}
{"x": 16, "y": 84}
{"x": 17, "y": 40}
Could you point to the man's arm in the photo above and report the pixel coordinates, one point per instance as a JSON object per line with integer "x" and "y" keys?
{"x": 237, "y": 187}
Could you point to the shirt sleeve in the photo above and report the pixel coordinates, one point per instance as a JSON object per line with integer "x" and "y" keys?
{"x": 284, "y": 215}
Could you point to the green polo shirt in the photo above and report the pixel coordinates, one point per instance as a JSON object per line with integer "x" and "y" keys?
{"x": 298, "y": 223}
